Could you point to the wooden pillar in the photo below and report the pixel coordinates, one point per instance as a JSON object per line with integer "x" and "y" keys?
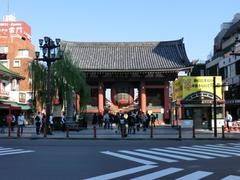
{"x": 166, "y": 102}
{"x": 143, "y": 97}
{"x": 100, "y": 98}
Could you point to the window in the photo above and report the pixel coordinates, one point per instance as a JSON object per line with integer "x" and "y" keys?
{"x": 4, "y": 49}
{"x": 237, "y": 67}
{"x": 22, "y": 97}
{"x": 5, "y": 63}
{"x": 23, "y": 53}
{"x": 16, "y": 63}
{"x": 15, "y": 85}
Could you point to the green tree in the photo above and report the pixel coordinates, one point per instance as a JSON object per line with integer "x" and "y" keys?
{"x": 66, "y": 80}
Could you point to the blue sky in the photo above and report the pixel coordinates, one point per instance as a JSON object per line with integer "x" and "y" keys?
{"x": 197, "y": 22}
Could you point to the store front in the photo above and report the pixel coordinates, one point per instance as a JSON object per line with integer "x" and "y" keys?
{"x": 193, "y": 102}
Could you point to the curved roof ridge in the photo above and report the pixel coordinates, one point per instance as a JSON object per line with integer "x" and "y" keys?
{"x": 124, "y": 43}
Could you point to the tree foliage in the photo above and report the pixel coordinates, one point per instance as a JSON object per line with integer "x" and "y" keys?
{"x": 66, "y": 79}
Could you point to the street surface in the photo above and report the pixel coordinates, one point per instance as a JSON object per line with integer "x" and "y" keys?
{"x": 118, "y": 159}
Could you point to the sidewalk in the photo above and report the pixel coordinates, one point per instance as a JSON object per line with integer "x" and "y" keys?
{"x": 163, "y": 132}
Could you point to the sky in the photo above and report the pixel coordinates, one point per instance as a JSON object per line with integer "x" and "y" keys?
{"x": 197, "y": 21}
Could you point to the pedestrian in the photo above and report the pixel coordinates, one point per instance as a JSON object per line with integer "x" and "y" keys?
{"x": 13, "y": 122}
{"x": 51, "y": 123}
{"x": 38, "y": 123}
{"x": 9, "y": 122}
{"x": 63, "y": 122}
{"x": 106, "y": 119}
{"x": 228, "y": 119}
{"x": 95, "y": 119}
{"x": 20, "y": 122}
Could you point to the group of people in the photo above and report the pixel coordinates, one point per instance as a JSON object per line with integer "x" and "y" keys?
{"x": 128, "y": 123}
{"x": 11, "y": 121}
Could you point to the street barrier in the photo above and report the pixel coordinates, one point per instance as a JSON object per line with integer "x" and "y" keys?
{"x": 114, "y": 132}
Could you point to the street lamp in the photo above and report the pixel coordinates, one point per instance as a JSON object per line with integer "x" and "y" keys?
{"x": 215, "y": 103}
{"x": 50, "y": 53}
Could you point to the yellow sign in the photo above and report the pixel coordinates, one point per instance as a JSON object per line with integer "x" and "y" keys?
{"x": 185, "y": 86}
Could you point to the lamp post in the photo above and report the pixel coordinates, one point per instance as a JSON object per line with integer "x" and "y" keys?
{"x": 50, "y": 53}
{"x": 215, "y": 103}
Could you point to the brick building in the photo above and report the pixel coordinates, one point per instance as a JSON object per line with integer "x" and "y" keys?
{"x": 17, "y": 52}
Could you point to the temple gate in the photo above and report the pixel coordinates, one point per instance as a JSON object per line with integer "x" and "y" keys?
{"x": 136, "y": 75}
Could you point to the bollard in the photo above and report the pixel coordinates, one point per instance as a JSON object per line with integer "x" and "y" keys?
{"x": 193, "y": 132}
{"x": 151, "y": 132}
{"x": 67, "y": 132}
{"x": 94, "y": 132}
{"x": 179, "y": 132}
{"x": 223, "y": 133}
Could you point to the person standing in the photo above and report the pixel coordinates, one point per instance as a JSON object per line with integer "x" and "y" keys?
{"x": 38, "y": 123}
{"x": 228, "y": 119}
{"x": 9, "y": 123}
{"x": 20, "y": 121}
{"x": 51, "y": 123}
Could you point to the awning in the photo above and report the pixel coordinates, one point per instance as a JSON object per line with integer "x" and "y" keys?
{"x": 14, "y": 106}
{"x": 10, "y": 105}
{"x": 4, "y": 106}
{"x": 24, "y": 107}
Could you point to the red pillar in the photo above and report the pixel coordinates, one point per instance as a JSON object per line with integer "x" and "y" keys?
{"x": 166, "y": 102}
{"x": 143, "y": 97}
{"x": 100, "y": 98}
{"x": 77, "y": 103}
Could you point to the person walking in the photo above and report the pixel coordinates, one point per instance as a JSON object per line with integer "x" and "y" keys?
{"x": 20, "y": 121}
{"x": 228, "y": 119}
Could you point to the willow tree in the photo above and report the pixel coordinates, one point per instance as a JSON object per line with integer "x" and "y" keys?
{"x": 66, "y": 80}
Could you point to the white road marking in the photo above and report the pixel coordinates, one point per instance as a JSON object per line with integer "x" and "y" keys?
{"x": 179, "y": 151}
{"x": 158, "y": 174}
{"x": 165, "y": 154}
{"x": 13, "y": 150}
{"x": 196, "y": 175}
{"x": 225, "y": 147}
{"x": 122, "y": 173}
{"x": 218, "y": 150}
{"x": 196, "y": 150}
{"x": 18, "y": 152}
{"x": 231, "y": 177}
{"x": 142, "y": 161}
{"x": 149, "y": 156}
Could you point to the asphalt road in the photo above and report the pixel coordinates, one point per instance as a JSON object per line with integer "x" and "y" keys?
{"x": 121, "y": 159}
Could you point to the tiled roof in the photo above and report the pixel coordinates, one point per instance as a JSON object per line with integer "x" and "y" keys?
{"x": 128, "y": 56}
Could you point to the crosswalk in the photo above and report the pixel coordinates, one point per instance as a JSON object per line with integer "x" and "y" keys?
{"x": 175, "y": 154}
{"x": 150, "y": 158}
{"x": 12, "y": 151}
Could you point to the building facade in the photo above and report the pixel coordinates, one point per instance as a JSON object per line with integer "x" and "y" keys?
{"x": 16, "y": 53}
{"x": 226, "y": 63}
